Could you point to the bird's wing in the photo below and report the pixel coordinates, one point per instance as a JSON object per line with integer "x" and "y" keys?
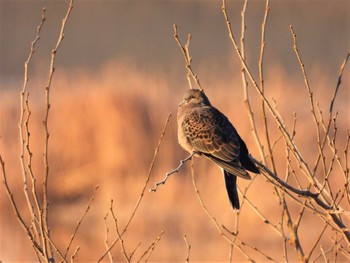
{"x": 212, "y": 134}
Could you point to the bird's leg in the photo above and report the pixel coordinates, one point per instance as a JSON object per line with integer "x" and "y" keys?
{"x": 176, "y": 170}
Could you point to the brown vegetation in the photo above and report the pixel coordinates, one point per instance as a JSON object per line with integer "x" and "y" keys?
{"x": 104, "y": 129}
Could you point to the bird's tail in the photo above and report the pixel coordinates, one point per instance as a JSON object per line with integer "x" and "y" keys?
{"x": 230, "y": 182}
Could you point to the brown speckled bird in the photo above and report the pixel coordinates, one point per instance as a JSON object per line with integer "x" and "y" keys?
{"x": 204, "y": 129}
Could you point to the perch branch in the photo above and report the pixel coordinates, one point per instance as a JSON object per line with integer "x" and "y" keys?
{"x": 176, "y": 170}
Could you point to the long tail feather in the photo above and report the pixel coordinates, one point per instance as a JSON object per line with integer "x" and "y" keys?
{"x": 230, "y": 182}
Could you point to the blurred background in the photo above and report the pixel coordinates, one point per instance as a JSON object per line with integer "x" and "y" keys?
{"x": 119, "y": 73}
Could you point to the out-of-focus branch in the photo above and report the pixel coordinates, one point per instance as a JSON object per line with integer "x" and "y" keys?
{"x": 79, "y": 223}
{"x": 188, "y": 249}
{"x": 150, "y": 249}
{"x": 120, "y": 238}
{"x": 142, "y": 191}
{"x": 106, "y": 238}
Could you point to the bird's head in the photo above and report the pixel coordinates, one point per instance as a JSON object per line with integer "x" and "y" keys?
{"x": 195, "y": 97}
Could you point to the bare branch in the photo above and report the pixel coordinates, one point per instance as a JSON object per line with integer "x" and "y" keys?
{"x": 267, "y": 171}
{"x": 262, "y": 87}
{"x": 120, "y": 238}
{"x": 106, "y": 239}
{"x": 176, "y": 170}
{"x": 185, "y": 51}
{"x": 45, "y": 214}
{"x": 339, "y": 82}
{"x": 188, "y": 249}
{"x": 245, "y": 88}
{"x": 74, "y": 254}
{"x": 25, "y": 140}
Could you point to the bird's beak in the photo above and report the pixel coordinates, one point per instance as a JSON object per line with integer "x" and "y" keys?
{"x": 181, "y": 103}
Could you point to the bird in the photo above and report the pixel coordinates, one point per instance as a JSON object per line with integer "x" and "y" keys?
{"x": 205, "y": 131}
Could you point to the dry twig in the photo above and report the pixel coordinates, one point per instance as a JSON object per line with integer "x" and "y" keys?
{"x": 176, "y": 170}
{"x": 186, "y": 52}
{"x": 188, "y": 249}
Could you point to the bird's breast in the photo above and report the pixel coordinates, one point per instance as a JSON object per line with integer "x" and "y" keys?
{"x": 181, "y": 134}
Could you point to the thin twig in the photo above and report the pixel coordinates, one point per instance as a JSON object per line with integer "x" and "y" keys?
{"x": 25, "y": 140}
{"x": 79, "y": 223}
{"x": 120, "y": 238}
{"x": 293, "y": 230}
{"x": 339, "y": 82}
{"x": 72, "y": 257}
{"x": 312, "y": 105}
{"x": 106, "y": 239}
{"x": 35, "y": 221}
{"x": 185, "y": 51}
{"x": 176, "y": 170}
{"x": 151, "y": 248}
{"x": 133, "y": 252}
{"x": 315, "y": 244}
{"x": 246, "y": 90}
{"x": 262, "y": 86}
{"x": 260, "y": 214}
{"x": 45, "y": 213}
{"x": 188, "y": 249}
